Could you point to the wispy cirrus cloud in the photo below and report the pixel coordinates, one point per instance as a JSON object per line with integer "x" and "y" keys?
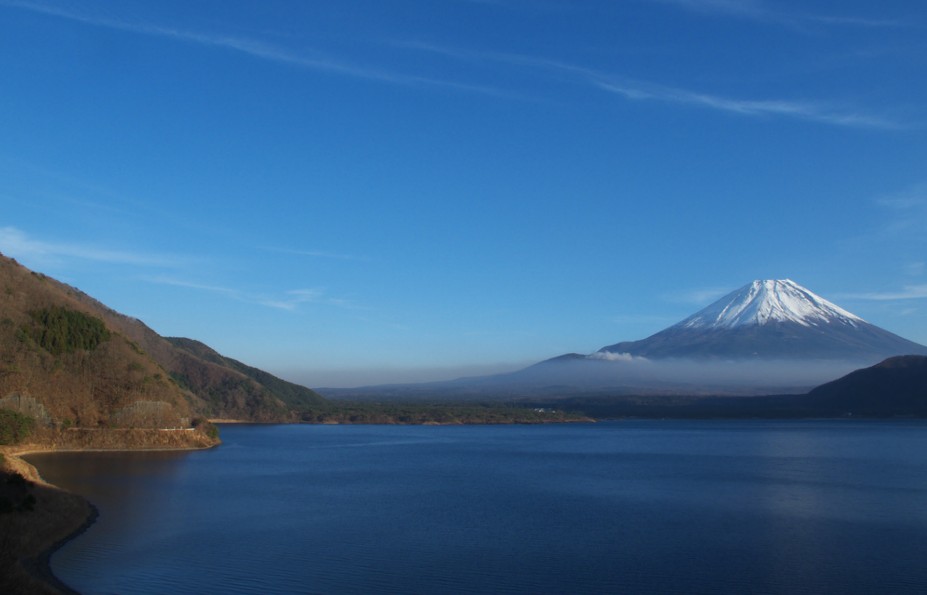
{"x": 907, "y": 214}
{"x": 638, "y": 90}
{"x": 753, "y": 9}
{"x": 908, "y": 292}
{"x": 20, "y": 245}
{"x": 642, "y": 319}
{"x": 293, "y": 298}
{"x": 227, "y": 291}
{"x": 803, "y": 110}
{"x": 758, "y": 10}
{"x": 316, "y": 61}
{"x": 289, "y": 300}
{"x": 316, "y": 254}
{"x": 699, "y": 297}
{"x": 915, "y": 269}
{"x": 630, "y": 89}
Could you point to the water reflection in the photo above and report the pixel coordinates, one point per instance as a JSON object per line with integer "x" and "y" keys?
{"x": 131, "y": 490}
{"x": 116, "y": 479}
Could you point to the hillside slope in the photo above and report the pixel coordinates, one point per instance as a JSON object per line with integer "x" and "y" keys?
{"x": 62, "y": 364}
{"x": 231, "y": 389}
{"x": 896, "y": 386}
{"x": 67, "y": 359}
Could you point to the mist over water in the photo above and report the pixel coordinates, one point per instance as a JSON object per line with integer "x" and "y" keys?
{"x": 686, "y": 375}
{"x": 349, "y": 377}
{"x": 620, "y": 373}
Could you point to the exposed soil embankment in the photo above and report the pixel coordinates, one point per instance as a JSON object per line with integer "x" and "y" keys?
{"x": 128, "y": 439}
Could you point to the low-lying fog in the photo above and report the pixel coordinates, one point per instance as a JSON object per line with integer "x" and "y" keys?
{"x": 619, "y": 374}
{"x": 753, "y": 376}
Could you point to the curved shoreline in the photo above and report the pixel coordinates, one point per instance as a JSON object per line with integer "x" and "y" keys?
{"x": 59, "y": 517}
{"x": 40, "y": 565}
{"x": 61, "y": 512}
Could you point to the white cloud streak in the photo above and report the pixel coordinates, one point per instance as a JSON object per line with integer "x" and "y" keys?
{"x": 909, "y": 292}
{"x": 814, "y": 112}
{"x": 629, "y": 89}
{"x": 908, "y": 214}
{"x": 289, "y": 300}
{"x": 316, "y": 254}
{"x": 741, "y": 8}
{"x": 915, "y": 269}
{"x": 234, "y": 293}
{"x": 18, "y": 244}
{"x": 757, "y": 10}
{"x": 638, "y": 90}
{"x": 254, "y": 48}
{"x": 699, "y": 297}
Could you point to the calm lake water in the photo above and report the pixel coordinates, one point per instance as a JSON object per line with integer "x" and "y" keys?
{"x": 618, "y": 507}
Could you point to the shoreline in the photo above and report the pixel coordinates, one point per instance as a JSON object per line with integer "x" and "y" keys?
{"x": 67, "y": 515}
{"x": 40, "y": 566}
{"x": 64, "y": 517}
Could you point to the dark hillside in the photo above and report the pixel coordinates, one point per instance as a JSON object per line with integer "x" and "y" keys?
{"x": 896, "y": 386}
{"x": 235, "y": 390}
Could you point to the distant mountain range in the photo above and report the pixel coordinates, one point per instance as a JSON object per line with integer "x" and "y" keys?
{"x": 768, "y": 337}
{"x": 895, "y": 387}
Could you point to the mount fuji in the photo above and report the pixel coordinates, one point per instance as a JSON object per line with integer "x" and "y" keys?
{"x": 768, "y": 337}
{"x": 770, "y": 319}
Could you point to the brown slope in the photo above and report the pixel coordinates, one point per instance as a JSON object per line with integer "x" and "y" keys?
{"x": 220, "y": 387}
{"x": 295, "y": 398}
{"x": 63, "y": 363}
{"x": 200, "y": 381}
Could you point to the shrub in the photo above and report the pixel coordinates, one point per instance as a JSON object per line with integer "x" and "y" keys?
{"x": 14, "y": 427}
{"x": 205, "y": 426}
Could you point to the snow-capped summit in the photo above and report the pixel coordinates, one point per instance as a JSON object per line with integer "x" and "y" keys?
{"x": 771, "y": 319}
{"x": 770, "y": 301}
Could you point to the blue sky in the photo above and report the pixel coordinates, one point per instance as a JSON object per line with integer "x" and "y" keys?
{"x": 353, "y": 191}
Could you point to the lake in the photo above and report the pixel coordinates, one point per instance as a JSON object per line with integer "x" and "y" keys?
{"x": 614, "y": 507}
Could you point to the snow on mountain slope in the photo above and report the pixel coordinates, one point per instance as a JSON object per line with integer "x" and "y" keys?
{"x": 763, "y": 302}
{"x": 770, "y": 319}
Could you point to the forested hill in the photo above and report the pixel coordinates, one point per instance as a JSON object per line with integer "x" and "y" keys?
{"x": 896, "y": 386}
{"x": 67, "y": 360}
{"x": 237, "y": 390}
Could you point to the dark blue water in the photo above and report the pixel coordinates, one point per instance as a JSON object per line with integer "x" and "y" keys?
{"x": 623, "y": 507}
